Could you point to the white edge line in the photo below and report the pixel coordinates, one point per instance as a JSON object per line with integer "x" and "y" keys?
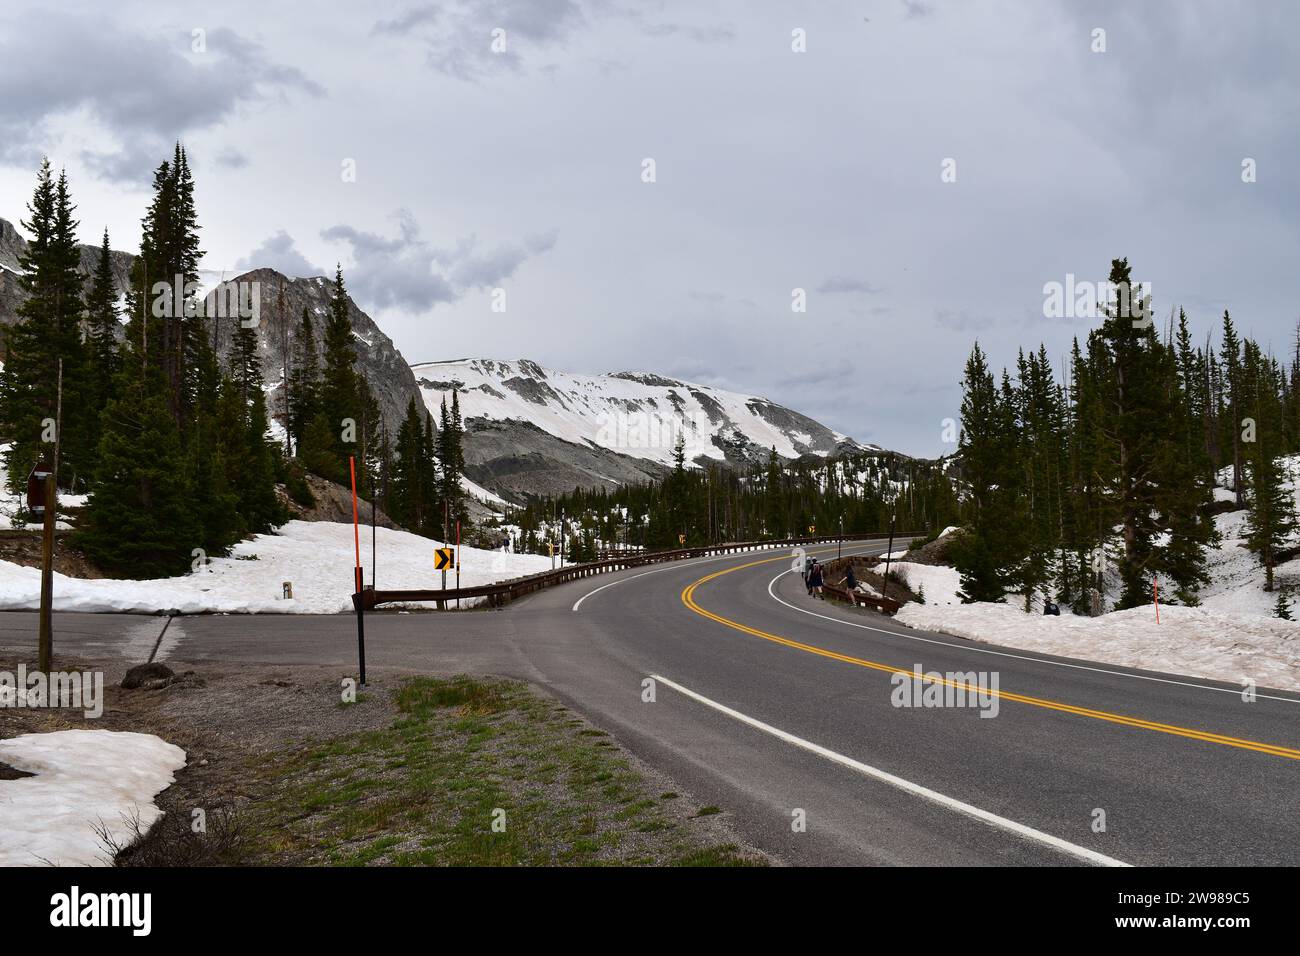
{"x": 669, "y": 565}
{"x": 925, "y": 793}
{"x": 1018, "y": 657}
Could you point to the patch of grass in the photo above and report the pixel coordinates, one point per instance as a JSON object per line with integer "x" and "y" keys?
{"x": 472, "y": 772}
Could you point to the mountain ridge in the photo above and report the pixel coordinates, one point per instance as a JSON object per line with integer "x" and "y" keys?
{"x": 530, "y": 429}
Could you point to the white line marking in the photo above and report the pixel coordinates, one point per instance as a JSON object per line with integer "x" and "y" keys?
{"x": 1019, "y": 657}
{"x": 925, "y": 793}
{"x": 668, "y": 566}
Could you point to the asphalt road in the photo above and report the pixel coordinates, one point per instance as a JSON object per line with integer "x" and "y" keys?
{"x": 780, "y": 709}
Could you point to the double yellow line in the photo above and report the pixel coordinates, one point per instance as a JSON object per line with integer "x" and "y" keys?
{"x": 688, "y": 598}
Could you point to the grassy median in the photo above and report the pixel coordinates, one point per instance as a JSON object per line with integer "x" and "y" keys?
{"x": 474, "y": 773}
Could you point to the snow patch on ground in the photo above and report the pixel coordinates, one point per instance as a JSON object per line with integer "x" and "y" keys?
{"x": 316, "y": 556}
{"x": 1193, "y": 641}
{"x": 940, "y": 583}
{"x": 84, "y": 778}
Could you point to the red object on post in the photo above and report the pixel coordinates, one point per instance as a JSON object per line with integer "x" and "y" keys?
{"x": 356, "y": 524}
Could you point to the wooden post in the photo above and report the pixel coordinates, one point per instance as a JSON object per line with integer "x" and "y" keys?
{"x": 45, "y": 651}
{"x": 356, "y": 530}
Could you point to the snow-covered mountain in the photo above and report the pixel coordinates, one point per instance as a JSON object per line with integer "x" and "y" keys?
{"x": 613, "y": 428}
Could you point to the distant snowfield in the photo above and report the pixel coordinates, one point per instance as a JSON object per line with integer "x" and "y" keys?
{"x": 1191, "y": 641}
{"x": 641, "y": 417}
{"x": 317, "y": 557}
{"x": 83, "y": 779}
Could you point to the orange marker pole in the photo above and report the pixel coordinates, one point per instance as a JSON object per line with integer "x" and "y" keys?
{"x": 1155, "y": 591}
{"x": 458, "y": 565}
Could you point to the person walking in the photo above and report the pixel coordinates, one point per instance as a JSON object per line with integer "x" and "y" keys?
{"x": 815, "y": 580}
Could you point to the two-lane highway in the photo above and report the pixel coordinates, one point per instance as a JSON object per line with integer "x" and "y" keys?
{"x": 783, "y": 711}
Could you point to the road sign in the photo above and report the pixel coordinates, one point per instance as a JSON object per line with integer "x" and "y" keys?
{"x": 812, "y": 529}
{"x": 681, "y": 539}
{"x": 36, "y": 488}
{"x": 444, "y": 558}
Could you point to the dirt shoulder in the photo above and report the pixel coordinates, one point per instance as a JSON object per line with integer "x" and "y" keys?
{"x": 284, "y": 768}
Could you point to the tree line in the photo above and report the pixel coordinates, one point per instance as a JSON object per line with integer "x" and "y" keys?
{"x": 716, "y": 503}
{"x": 1105, "y": 480}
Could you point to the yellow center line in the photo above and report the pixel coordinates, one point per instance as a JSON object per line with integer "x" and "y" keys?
{"x": 688, "y": 598}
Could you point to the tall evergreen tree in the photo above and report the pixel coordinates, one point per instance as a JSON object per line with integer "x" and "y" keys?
{"x": 1271, "y": 512}
{"x": 46, "y": 338}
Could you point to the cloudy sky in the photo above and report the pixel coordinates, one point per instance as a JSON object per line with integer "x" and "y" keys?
{"x": 501, "y": 144}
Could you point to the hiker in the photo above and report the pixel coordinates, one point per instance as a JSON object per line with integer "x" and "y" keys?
{"x": 850, "y": 579}
{"x": 807, "y": 574}
{"x": 815, "y": 580}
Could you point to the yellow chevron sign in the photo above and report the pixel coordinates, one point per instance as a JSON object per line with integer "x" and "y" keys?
{"x": 444, "y": 558}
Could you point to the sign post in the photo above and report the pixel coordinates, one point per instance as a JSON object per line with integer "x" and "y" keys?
{"x": 358, "y": 599}
{"x": 49, "y": 511}
{"x": 458, "y": 565}
{"x": 884, "y": 582}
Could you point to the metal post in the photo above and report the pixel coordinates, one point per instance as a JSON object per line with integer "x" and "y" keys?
{"x": 884, "y": 590}
{"x": 45, "y": 645}
{"x": 839, "y": 549}
{"x": 358, "y": 602}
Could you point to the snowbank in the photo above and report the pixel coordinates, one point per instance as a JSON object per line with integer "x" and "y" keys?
{"x": 316, "y": 556}
{"x": 1198, "y": 642}
{"x": 940, "y": 583}
{"x": 84, "y": 778}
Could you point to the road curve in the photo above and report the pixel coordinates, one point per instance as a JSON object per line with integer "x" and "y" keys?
{"x": 781, "y": 710}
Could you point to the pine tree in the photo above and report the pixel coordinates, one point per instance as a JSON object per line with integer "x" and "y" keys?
{"x": 346, "y": 421}
{"x": 1134, "y": 400}
{"x": 451, "y": 462}
{"x": 987, "y": 554}
{"x": 774, "y": 510}
{"x": 1282, "y": 607}
{"x": 1272, "y": 517}
{"x": 304, "y": 381}
{"x": 47, "y": 336}
{"x": 102, "y": 325}
{"x": 143, "y": 521}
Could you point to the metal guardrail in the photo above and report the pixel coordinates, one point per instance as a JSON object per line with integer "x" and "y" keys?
{"x": 885, "y": 605}
{"x": 504, "y": 592}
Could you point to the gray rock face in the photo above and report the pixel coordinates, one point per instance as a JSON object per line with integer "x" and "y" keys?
{"x": 377, "y": 358}
{"x": 518, "y": 460}
{"x": 12, "y": 246}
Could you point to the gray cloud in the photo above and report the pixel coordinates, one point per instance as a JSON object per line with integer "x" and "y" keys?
{"x": 231, "y": 159}
{"x": 819, "y": 375}
{"x": 280, "y": 253}
{"x": 403, "y": 270}
{"x": 458, "y": 37}
{"x": 145, "y": 88}
{"x": 487, "y": 269}
{"x": 837, "y": 284}
{"x": 406, "y": 21}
